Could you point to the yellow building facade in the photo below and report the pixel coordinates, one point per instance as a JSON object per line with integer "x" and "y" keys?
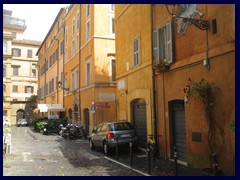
{"x": 134, "y": 68}
{"x": 50, "y": 68}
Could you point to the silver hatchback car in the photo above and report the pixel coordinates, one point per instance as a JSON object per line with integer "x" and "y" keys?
{"x": 106, "y": 134}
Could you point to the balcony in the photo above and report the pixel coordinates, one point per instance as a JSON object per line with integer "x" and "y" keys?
{"x": 16, "y": 22}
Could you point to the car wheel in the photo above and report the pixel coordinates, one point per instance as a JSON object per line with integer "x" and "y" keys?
{"x": 91, "y": 145}
{"x": 106, "y": 148}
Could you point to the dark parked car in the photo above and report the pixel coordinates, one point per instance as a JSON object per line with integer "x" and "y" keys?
{"x": 22, "y": 122}
{"x": 104, "y": 135}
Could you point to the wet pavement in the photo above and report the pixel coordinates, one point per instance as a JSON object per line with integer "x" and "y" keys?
{"x": 158, "y": 167}
{"x": 34, "y": 154}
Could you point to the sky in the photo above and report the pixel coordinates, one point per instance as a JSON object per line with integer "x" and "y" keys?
{"x": 38, "y": 18}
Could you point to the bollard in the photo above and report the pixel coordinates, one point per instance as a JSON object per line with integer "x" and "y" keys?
{"x": 117, "y": 149}
{"x": 130, "y": 148}
{"x": 175, "y": 160}
{"x": 215, "y": 164}
{"x": 149, "y": 158}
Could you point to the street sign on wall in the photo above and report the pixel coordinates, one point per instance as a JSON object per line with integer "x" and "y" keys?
{"x": 102, "y": 105}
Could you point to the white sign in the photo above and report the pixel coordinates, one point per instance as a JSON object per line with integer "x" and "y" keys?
{"x": 103, "y": 97}
{"x": 52, "y": 116}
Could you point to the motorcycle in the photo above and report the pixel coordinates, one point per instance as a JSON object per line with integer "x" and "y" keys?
{"x": 45, "y": 128}
{"x": 64, "y": 132}
{"x": 76, "y": 132}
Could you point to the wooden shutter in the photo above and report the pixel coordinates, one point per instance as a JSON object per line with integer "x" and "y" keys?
{"x": 169, "y": 55}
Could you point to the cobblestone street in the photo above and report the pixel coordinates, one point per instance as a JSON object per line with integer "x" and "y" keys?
{"x": 34, "y": 154}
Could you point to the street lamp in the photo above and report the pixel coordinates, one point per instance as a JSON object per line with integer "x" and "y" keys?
{"x": 60, "y": 86}
{"x": 173, "y": 9}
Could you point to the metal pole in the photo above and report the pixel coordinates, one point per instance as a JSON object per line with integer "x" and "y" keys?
{"x": 117, "y": 149}
{"x": 175, "y": 160}
{"x": 130, "y": 147}
{"x": 149, "y": 158}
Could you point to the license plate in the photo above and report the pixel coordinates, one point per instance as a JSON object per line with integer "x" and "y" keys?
{"x": 124, "y": 135}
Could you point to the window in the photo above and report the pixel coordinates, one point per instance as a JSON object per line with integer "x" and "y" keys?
{"x": 29, "y": 53}
{"x": 104, "y": 128}
{"x": 15, "y": 88}
{"x": 16, "y": 52}
{"x": 34, "y": 73}
{"x": 4, "y": 46}
{"x": 112, "y": 28}
{"x": 73, "y": 48}
{"x": 73, "y": 26}
{"x": 78, "y": 20}
{"x": 15, "y": 70}
{"x": 112, "y": 7}
{"x": 28, "y": 89}
{"x": 15, "y": 100}
{"x": 136, "y": 52}
{"x": 88, "y": 10}
{"x": 4, "y": 70}
{"x": 88, "y": 69}
{"x": 65, "y": 84}
{"x": 113, "y": 69}
{"x": 62, "y": 48}
{"x": 77, "y": 79}
{"x": 66, "y": 35}
{"x": 4, "y": 87}
{"x": 162, "y": 44}
{"x": 66, "y": 55}
{"x": 33, "y": 66}
{"x": 88, "y": 29}
{"x": 77, "y": 43}
{"x": 73, "y": 81}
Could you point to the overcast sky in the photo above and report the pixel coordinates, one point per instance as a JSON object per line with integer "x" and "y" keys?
{"x": 38, "y": 18}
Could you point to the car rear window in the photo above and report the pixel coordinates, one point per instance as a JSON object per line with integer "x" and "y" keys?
{"x": 122, "y": 126}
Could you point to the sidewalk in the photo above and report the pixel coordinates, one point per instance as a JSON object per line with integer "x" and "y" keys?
{"x": 159, "y": 167}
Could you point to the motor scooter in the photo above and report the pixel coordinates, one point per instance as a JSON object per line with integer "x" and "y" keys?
{"x": 64, "y": 132}
{"x": 45, "y": 128}
{"x": 76, "y": 132}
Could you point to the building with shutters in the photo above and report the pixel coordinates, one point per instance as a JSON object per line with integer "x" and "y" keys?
{"x": 149, "y": 39}
{"x": 50, "y": 67}
{"x": 194, "y": 54}
{"x": 20, "y": 74}
{"x": 134, "y": 68}
{"x": 83, "y": 75}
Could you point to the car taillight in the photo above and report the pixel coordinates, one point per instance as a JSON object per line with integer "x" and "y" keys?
{"x": 110, "y": 135}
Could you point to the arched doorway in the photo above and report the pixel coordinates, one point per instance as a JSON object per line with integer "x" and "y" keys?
{"x": 20, "y": 114}
{"x": 139, "y": 121}
{"x": 86, "y": 120}
{"x": 178, "y": 128}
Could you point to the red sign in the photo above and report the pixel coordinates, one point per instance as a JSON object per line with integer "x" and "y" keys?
{"x": 102, "y": 105}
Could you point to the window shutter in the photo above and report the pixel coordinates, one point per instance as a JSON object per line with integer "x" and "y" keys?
{"x": 25, "y": 89}
{"x": 155, "y": 47}
{"x": 169, "y": 43}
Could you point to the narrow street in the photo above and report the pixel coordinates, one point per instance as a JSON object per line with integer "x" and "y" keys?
{"x": 34, "y": 154}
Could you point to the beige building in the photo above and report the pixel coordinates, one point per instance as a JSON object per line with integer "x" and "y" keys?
{"x": 19, "y": 68}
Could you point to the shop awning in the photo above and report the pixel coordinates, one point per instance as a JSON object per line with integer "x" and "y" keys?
{"x": 50, "y": 107}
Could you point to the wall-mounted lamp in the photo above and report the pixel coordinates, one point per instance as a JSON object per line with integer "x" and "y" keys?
{"x": 187, "y": 11}
{"x": 60, "y": 86}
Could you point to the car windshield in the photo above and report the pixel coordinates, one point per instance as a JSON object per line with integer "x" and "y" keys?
{"x": 122, "y": 126}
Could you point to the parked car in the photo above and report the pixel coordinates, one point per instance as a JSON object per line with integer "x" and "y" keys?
{"x": 105, "y": 134}
{"x": 22, "y": 122}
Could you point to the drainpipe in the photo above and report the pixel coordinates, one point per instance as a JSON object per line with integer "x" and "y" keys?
{"x": 164, "y": 116}
{"x": 155, "y": 115}
{"x": 57, "y": 61}
{"x": 79, "y": 66}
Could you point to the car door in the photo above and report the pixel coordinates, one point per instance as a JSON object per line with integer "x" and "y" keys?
{"x": 95, "y": 137}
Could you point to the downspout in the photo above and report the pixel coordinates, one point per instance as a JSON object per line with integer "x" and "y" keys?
{"x": 164, "y": 116}
{"x": 57, "y": 62}
{"x": 79, "y": 66}
{"x": 155, "y": 115}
